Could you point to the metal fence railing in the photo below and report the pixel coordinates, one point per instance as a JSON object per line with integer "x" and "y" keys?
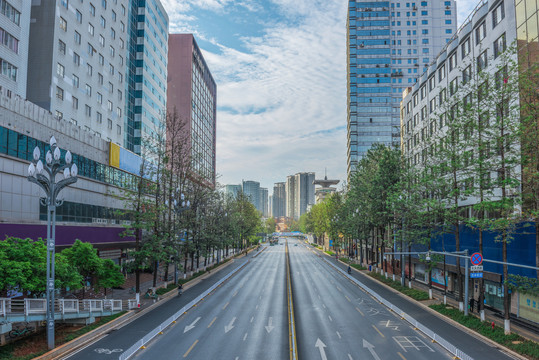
{"x": 425, "y": 330}
{"x": 148, "y": 337}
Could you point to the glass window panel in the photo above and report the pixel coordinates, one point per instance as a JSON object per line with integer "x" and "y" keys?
{"x": 3, "y": 140}
{"x": 12, "y": 143}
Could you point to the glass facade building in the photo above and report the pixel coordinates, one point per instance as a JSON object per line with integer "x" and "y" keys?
{"x": 146, "y": 85}
{"x": 389, "y": 44}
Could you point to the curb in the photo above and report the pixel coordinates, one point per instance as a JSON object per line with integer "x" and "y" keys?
{"x": 131, "y": 315}
{"x": 447, "y": 319}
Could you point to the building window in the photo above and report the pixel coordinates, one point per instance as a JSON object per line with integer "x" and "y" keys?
{"x": 63, "y": 24}
{"x": 432, "y": 82}
{"x": 122, "y": 45}
{"x": 75, "y": 81}
{"x": 88, "y": 90}
{"x": 480, "y": 32}
{"x": 109, "y": 105}
{"x": 60, "y": 70}
{"x": 423, "y": 92}
{"x": 453, "y": 86}
{"x": 441, "y": 73}
{"x": 120, "y": 77}
{"x": 76, "y": 59}
{"x": 111, "y": 50}
{"x": 465, "y": 47}
{"x": 118, "y": 129}
{"x": 499, "y": 46}
{"x": 91, "y": 50}
{"x": 92, "y": 9}
{"x": 10, "y": 12}
{"x": 120, "y": 95}
{"x": 111, "y": 69}
{"x": 498, "y": 14}
{"x": 119, "y": 112}
{"x": 59, "y": 93}
{"x": 453, "y": 61}
{"x": 122, "y": 26}
{"x": 75, "y": 102}
{"x": 62, "y": 47}
{"x": 466, "y": 74}
{"x": 112, "y": 33}
{"x": 88, "y": 110}
{"x": 100, "y": 78}
{"x": 99, "y": 98}
{"x": 101, "y": 60}
{"x": 104, "y": 4}
{"x": 482, "y": 61}
{"x": 99, "y": 117}
{"x": 103, "y": 22}
{"x": 91, "y": 29}
{"x": 101, "y": 40}
{"x": 79, "y": 16}
{"x": 89, "y": 69}
{"x": 59, "y": 114}
{"x": 109, "y": 124}
{"x": 113, "y": 15}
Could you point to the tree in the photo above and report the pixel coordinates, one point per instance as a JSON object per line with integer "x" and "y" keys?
{"x": 83, "y": 257}
{"x": 109, "y": 275}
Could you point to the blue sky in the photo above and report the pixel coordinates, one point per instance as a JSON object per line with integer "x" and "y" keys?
{"x": 280, "y": 68}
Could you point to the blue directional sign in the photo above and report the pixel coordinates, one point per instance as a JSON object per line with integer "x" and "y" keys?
{"x": 476, "y": 259}
{"x": 476, "y": 275}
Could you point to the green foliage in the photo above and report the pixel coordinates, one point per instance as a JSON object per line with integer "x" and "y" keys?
{"x": 523, "y": 284}
{"x": 413, "y": 293}
{"x": 523, "y": 346}
{"x": 109, "y": 275}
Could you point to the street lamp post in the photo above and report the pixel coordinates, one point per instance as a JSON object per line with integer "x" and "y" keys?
{"x": 179, "y": 207}
{"x": 44, "y": 175}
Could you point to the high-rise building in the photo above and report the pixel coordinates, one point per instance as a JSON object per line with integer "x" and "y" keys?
{"x": 263, "y": 202}
{"x": 325, "y": 189}
{"x": 15, "y": 25}
{"x": 192, "y": 93}
{"x": 76, "y": 64}
{"x": 233, "y": 190}
{"x": 304, "y": 193}
{"x": 279, "y": 200}
{"x": 389, "y": 43}
{"x": 146, "y": 64}
{"x": 251, "y": 189}
{"x": 290, "y": 202}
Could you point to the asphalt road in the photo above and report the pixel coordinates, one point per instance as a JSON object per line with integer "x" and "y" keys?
{"x": 246, "y": 318}
{"x": 336, "y": 320}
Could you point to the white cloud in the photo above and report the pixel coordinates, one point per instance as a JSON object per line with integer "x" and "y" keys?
{"x": 278, "y": 95}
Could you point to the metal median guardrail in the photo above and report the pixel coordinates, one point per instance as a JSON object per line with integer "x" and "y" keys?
{"x": 425, "y": 330}
{"x": 139, "y": 344}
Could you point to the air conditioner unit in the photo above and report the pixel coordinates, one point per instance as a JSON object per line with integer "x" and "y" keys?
{"x": 448, "y": 7}
{"x": 414, "y": 8}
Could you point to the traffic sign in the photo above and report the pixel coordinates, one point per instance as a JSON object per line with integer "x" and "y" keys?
{"x": 476, "y": 259}
{"x": 476, "y": 268}
{"x": 475, "y": 275}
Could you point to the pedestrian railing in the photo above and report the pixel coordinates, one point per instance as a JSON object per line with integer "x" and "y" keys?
{"x": 68, "y": 305}
{"x": 2, "y": 307}
{"x": 416, "y": 324}
{"x": 92, "y": 305}
{"x": 35, "y": 306}
{"x": 133, "y": 349}
{"x": 132, "y": 304}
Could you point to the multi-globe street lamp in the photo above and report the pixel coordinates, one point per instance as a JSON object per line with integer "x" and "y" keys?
{"x": 44, "y": 175}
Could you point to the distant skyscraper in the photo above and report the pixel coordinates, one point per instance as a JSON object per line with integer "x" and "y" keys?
{"x": 290, "y": 190}
{"x": 389, "y": 44}
{"x": 193, "y": 93}
{"x": 279, "y": 200}
{"x": 15, "y": 24}
{"x": 233, "y": 190}
{"x": 251, "y": 189}
{"x": 325, "y": 189}
{"x": 263, "y": 202}
{"x": 146, "y": 70}
{"x": 77, "y": 62}
{"x": 304, "y": 193}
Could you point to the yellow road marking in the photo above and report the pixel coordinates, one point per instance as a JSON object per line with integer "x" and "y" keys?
{"x": 402, "y": 356}
{"x": 347, "y": 298}
{"x": 360, "y": 311}
{"x": 215, "y": 318}
{"x": 375, "y": 328}
{"x": 224, "y": 307}
{"x": 191, "y": 348}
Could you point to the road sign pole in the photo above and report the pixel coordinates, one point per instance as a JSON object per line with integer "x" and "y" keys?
{"x": 466, "y": 284}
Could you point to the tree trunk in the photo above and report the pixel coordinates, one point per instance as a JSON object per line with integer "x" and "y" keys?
{"x": 506, "y": 298}
{"x": 155, "y": 269}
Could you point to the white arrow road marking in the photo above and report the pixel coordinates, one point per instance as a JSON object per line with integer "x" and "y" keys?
{"x": 370, "y": 346}
{"x": 230, "y": 326}
{"x": 320, "y": 345}
{"x": 189, "y": 327}
{"x": 270, "y": 326}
